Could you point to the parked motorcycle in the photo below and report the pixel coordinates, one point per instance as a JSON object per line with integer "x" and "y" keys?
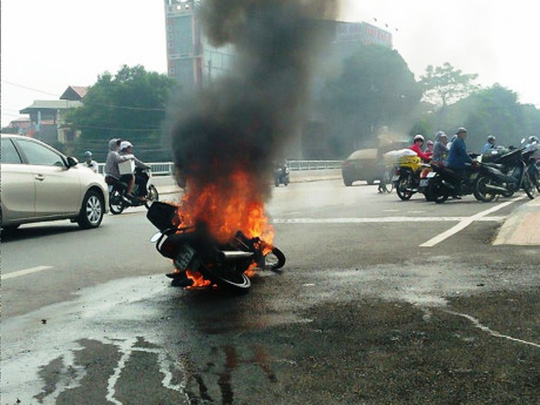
{"x": 118, "y": 201}
{"x": 408, "y": 175}
{"x": 509, "y": 174}
{"x": 282, "y": 175}
{"x": 198, "y": 255}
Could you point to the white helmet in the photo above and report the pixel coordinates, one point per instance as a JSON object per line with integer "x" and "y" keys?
{"x": 418, "y": 137}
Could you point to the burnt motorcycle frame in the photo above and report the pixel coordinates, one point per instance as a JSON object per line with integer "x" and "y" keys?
{"x": 193, "y": 248}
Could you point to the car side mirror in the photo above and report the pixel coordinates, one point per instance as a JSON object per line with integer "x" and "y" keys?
{"x": 71, "y": 161}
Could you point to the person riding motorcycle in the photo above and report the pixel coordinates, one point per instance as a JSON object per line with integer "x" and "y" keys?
{"x": 459, "y": 160}
{"x": 440, "y": 150}
{"x": 416, "y": 147}
{"x": 490, "y": 144}
{"x": 112, "y": 171}
{"x": 429, "y": 146}
{"x": 141, "y": 179}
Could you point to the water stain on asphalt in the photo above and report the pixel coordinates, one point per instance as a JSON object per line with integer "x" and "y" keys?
{"x": 376, "y": 334}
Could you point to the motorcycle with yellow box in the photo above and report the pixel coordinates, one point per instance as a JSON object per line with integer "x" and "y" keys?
{"x": 408, "y": 176}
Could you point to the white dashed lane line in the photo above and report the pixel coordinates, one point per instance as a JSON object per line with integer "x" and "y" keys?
{"x": 25, "y": 272}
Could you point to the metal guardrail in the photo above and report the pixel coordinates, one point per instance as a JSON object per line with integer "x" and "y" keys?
{"x": 167, "y": 168}
{"x": 296, "y": 165}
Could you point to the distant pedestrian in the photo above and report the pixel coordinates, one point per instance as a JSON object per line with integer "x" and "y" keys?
{"x": 89, "y": 162}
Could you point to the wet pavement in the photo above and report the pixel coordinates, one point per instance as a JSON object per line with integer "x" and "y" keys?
{"x": 379, "y": 334}
{"x": 361, "y": 315}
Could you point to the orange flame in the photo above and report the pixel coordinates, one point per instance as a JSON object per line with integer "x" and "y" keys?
{"x": 235, "y": 204}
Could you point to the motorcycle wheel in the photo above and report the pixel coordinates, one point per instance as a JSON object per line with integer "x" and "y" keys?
{"x": 231, "y": 281}
{"x": 528, "y": 186}
{"x": 402, "y": 190}
{"x": 481, "y": 193}
{"x": 428, "y": 192}
{"x": 274, "y": 260}
{"x": 151, "y": 196}
{"x": 116, "y": 203}
{"x": 438, "y": 192}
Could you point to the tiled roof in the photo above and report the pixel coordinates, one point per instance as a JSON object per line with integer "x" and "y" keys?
{"x": 51, "y": 105}
{"x": 74, "y": 93}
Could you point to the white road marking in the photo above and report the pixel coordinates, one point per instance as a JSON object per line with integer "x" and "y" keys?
{"x": 25, "y": 272}
{"x": 466, "y": 222}
{"x": 484, "y": 328}
{"x": 379, "y": 220}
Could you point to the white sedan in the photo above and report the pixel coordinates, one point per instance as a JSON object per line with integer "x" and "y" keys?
{"x": 41, "y": 184}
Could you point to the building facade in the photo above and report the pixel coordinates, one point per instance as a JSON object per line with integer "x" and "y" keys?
{"x": 193, "y": 62}
{"x": 191, "y": 59}
{"x": 47, "y": 117}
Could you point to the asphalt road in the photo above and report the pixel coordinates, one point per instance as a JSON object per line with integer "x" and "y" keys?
{"x": 381, "y": 301}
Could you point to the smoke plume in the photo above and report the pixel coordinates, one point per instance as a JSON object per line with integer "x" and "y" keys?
{"x": 242, "y": 120}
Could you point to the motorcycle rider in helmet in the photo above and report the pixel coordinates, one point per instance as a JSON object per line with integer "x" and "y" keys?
{"x": 417, "y": 147}
{"x": 490, "y": 144}
{"x": 534, "y": 144}
{"x": 89, "y": 162}
{"x": 459, "y": 160}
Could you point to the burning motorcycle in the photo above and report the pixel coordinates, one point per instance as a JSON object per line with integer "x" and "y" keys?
{"x": 201, "y": 261}
{"x": 118, "y": 201}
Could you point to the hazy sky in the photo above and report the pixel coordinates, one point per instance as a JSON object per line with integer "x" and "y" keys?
{"x": 47, "y": 45}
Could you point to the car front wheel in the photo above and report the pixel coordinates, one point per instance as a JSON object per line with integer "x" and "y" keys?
{"x": 92, "y": 210}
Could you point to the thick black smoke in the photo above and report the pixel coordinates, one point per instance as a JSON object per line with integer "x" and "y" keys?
{"x": 244, "y": 119}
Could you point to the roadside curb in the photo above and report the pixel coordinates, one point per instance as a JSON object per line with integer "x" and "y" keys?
{"x": 522, "y": 227}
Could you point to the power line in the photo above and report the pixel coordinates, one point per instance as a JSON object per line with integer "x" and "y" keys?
{"x": 94, "y": 104}
{"x": 29, "y": 88}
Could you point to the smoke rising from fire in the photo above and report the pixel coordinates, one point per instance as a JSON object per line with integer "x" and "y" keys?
{"x": 242, "y": 120}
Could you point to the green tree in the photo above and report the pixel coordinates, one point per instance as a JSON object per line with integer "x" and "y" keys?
{"x": 445, "y": 85}
{"x": 376, "y": 89}
{"x": 130, "y": 105}
{"x": 494, "y": 111}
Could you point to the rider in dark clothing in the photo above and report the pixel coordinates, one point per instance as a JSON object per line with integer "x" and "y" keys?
{"x": 458, "y": 158}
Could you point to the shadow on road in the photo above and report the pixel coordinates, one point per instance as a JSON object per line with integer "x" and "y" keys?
{"x": 32, "y": 232}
